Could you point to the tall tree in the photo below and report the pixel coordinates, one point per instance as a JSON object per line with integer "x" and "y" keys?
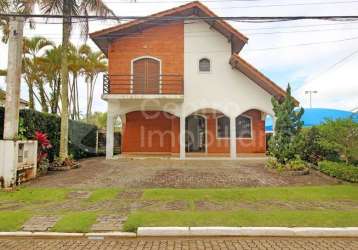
{"x": 284, "y": 143}
{"x": 50, "y": 66}
{"x": 95, "y": 63}
{"x": 76, "y": 64}
{"x": 69, "y": 8}
{"x": 33, "y": 49}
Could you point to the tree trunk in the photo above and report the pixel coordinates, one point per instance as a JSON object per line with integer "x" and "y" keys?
{"x": 14, "y": 64}
{"x": 44, "y": 107}
{"x": 31, "y": 95}
{"x": 66, "y": 30}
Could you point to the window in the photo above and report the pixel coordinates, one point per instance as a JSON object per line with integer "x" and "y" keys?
{"x": 243, "y": 127}
{"x": 146, "y": 76}
{"x": 204, "y": 65}
{"x": 223, "y": 127}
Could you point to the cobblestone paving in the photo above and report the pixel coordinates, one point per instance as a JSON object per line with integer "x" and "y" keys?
{"x": 182, "y": 244}
{"x": 40, "y": 223}
{"x": 108, "y": 223}
{"x": 79, "y": 195}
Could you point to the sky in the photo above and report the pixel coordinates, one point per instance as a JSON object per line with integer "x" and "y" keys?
{"x": 310, "y": 55}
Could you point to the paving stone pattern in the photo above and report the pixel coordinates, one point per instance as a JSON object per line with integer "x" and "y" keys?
{"x": 40, "y": 223}
{"x": 79, "y": 195}
{"x": 108, "y": 223}
{"x": 183, "y": 244}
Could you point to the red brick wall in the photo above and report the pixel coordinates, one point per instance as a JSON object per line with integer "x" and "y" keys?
{"x": 221, "y": 145}
{"x": 159, "y": 133}
{"x": 164, "y": 42}
{"x": 150, "y": 132}
{"x": 258, "y": 142}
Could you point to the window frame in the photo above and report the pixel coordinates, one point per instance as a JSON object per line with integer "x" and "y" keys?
{"x": 217, "y": 127}
{"x": 251, "y": 128}
{"x": 132, "y": 71}
{"x": 210, "y": 65}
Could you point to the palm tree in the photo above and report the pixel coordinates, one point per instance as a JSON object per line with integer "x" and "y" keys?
{"x": 50, "y": 67}
{"x": 69, "y": 8}
{"x": 95, "y": 63}
{"x": 32, "y": 50}
{"x": 76, "y": 63}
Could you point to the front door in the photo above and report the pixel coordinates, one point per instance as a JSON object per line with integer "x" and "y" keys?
{"x": 146, "y": 76}
{"x": 195, "y": 134}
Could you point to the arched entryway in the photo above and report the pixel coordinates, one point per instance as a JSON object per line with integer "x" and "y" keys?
{"x": 195, "y": 134}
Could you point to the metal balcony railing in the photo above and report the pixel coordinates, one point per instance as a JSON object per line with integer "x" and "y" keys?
{"x": 138, "y": 84}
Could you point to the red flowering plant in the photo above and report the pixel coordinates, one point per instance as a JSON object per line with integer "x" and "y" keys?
{"x": 43, "y": 145}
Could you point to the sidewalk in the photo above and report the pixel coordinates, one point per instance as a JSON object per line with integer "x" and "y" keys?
{"x": 182, "y": 243}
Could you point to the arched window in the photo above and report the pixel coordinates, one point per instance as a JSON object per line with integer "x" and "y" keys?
{"x": 243, "y": 127}
{"x": 146, "y": 75}
{"x": 223, "y": 127}
{"x": 204, "y": 65}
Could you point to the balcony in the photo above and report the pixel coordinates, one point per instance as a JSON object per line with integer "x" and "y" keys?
{"x": 169, "y": 85}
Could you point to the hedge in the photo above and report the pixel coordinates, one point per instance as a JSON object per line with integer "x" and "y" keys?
{"x": 82, "y": 136}
{"x": 339, "y": 170}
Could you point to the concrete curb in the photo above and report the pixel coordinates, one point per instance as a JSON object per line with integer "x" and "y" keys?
{"x": 62, "y": 235}
{"x": 248, "y": 231}
{"x": 202, "y": 231}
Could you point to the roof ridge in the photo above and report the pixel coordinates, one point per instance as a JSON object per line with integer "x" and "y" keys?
{"x": 168, "y": 12}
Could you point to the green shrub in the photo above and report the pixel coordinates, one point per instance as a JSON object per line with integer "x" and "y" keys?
{"x": 339, "y": 170}
{"x": 312, "y": 150}
{"x": 82, "y": 136}
{"x": 342, "y": 136}
{"x": 296, "y": 165}
{"x": 293, "y": 165}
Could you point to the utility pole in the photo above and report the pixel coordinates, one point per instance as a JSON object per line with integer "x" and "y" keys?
{"x": 311, "y": 92}
{"x": 13, "y": 78}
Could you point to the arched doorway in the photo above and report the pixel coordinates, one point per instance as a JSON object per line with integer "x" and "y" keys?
{"x": 146, "y": 76}
{"x": 195, "y": 134}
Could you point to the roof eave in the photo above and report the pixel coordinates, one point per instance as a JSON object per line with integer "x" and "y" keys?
{"x": 259, "y": 78}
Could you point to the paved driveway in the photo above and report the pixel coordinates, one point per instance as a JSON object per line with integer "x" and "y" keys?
{"x": 149, "y": 173}
{"x": 183, "y": 244}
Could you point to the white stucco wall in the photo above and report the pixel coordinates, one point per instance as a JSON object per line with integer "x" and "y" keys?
{"x": 224, "y": 88}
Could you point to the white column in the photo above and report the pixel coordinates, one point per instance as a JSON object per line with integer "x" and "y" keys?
{"x": 182, "y": 137}
{"x": 232, "y": 138}
{"x": 110, "y": 136}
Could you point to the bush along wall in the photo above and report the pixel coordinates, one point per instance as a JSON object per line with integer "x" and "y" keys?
{"x": 339, "y": 170}
{"x": 82, "y": 136}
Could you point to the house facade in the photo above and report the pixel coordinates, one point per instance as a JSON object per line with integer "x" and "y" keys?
{"x": 181, "y": 88}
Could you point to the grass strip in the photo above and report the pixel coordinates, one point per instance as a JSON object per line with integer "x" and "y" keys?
{"x": 279, "y": 218}
{"x": 11, "y": 221}
{"x": 75, "y": 222}
{"x": 104, "y": 194}
{"x": 35, "y": 194}
{"x": 317, "y": 193}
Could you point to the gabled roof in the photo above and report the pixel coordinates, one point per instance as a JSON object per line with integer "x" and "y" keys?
{"x": 103, "y": 37}
{"x": 256, "y": 76}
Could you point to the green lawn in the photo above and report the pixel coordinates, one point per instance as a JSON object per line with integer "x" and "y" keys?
{"x": 12, "y": 220}
{"x": 321, "y": 193}
{"x": 274, "y": 218}
{"x": 76, "y": 222}
{"x": 236, "y": 207}
{"x": 104, "y": 194}
{"x": 35, "y": 194}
